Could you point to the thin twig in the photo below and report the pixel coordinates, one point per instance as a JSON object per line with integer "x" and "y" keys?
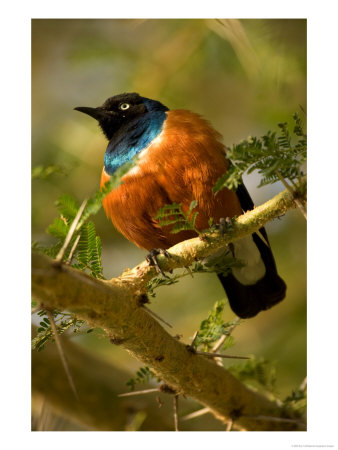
{"x": 194, "y": 339}
{"x": 176, "y": 412}
{"x": 145, "y": 391}
{"x": 229, "y": 425}
{"x": 221, "y": 340}
{"x": 70, "y": 257}
{"x": 194, "y": 414}
{"x": 289, "y": 188}
{"x": 42, "y": 416}
{"x": 71, "y": 231}
{"x": 157, "y": 316}
{"x": 62, "y": 353}
{"x": 303, "y": 385}
{"x": 216, "y": 347}
{"x": 221, "y": 355}
{"x": 219, "y": 343}
{"x": 275, "y": 419}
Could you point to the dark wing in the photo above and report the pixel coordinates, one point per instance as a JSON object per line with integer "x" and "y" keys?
{"x": 248, "y": 300}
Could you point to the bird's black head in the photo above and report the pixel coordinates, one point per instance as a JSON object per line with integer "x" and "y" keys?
{"x": 121, "y": 109}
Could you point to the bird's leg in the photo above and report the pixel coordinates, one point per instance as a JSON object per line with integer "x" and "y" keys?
{"x": 152, "y": 260}
{"x": 224, "y": 224}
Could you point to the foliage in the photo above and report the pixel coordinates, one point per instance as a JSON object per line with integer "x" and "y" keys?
{"x": 174, "y": 215}
{"x": 297, "y": 399}
{"x": 89, "y": 251}
{"x": 256, "y": 370}
{"x": 143, "y": 375}
{"x": 213, "y": 328}
{"x": 157, "y": 282}
{"x": 273, "y": 156}
{"x": 220, "y": 263}
{"x": 85, "y": 246}
{"x": 63, "y": 322}
{"x": 44, "y": 172}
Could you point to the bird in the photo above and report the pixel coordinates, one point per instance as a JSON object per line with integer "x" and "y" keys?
{"x": 176, "y": 156}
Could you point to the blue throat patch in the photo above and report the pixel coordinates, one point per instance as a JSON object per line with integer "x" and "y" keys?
{"x": 134, "y": 136}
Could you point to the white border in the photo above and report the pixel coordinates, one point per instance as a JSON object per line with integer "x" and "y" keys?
{"x": 322, "y": 235}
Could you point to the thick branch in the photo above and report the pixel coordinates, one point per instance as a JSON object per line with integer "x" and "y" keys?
{"x": 115, "y": 306}
{"x": 99, "y": 384}
{"x": 187, "y": 252}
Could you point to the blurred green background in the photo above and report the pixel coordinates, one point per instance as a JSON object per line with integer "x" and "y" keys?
{"x": 244, "y": 76}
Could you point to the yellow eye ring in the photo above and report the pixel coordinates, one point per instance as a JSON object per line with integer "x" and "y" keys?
{"x": 124, "y": 106}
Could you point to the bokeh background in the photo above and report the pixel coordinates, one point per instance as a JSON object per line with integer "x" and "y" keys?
{"x": 244, "y": 76}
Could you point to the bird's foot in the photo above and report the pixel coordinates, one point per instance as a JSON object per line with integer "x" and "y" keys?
{"x": 152, "y": 259}
{"x": 224, "y": 224}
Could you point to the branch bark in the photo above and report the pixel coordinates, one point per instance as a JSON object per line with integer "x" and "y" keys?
{"x": 99, "y": 383}
{"x": 116, "y": 306}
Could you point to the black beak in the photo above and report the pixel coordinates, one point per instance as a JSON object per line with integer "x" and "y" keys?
{"x": 97, "y": 113}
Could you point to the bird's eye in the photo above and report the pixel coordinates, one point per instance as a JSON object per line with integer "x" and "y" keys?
{"x": 124, "y": 106}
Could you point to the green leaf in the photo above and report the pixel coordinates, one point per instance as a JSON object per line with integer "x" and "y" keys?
{"x": 88, "y": 252}
{"x": 58, "y": 228}
{"x": 44, "y": 172}
{"x": 193, "y": 205}
{"x": 143, "y": 375}
{"x": 67, "y": 207}
{"x": 259, "y": 371}
{"x": 175, "y": 216}
{"x": 212, "y": 328}
{"x": 285, "y": 153}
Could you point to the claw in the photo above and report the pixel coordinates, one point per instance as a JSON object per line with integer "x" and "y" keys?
{"x": 152, "y": 260}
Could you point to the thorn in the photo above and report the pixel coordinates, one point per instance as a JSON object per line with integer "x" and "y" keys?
{"x": 194, "y": 338}
{"x": 42, "y": 416}
{"x": 219, "y": 343}
{"x": 70, "y": 257}
{"x": 221, "y": 340}
{"x": 62, "y": 353}
{"x": 194, "y": 414}
{"x": 229, "y": 425}
{"x": 303, "y": 386}
{"x": 156, "y": 316}
{"x": 263, "y": 238}
{"x": 221, "y": 355}
{"x": 176, "y": 412}
{"x": 275, "y": 419}
{"x": 295, "y": 199}
{"x": 145, "y": 391}
{"x": 71, "y": 231}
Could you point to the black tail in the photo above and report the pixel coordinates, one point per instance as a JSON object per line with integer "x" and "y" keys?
{"x": 248, "y": 300}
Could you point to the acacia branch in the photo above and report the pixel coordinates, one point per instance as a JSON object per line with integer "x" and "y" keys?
{"x": 99, "y": 383}
{"x": 116, "y": 306}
